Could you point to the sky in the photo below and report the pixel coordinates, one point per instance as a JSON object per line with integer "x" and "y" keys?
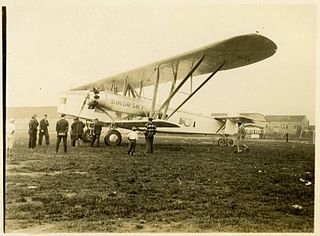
{"x": 54, "y": 46}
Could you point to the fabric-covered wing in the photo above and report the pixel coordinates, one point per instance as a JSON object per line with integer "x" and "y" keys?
{"x": 236, "y": 52}
{"x": 128, "y": 124}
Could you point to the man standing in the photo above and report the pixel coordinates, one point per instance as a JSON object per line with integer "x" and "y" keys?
{"x": 76, "y": 132}
{"x": 33, "y": 125}
{"x": 97, "y": 127}
{"x": 149, "y": 133}
{"x": 133, "y": 137}
{"x": 10, "y": 133}
{"x": 62, "y": 132}
{"x": 240, "y": 138}
{"x": 44, "y": 123}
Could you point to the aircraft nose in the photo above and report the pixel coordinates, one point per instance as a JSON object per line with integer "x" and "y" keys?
{"x": 92, "y": 103}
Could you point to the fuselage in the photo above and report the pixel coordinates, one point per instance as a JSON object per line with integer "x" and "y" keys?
{"x": 189, "y": 122}
{"x": 119, "y": 103}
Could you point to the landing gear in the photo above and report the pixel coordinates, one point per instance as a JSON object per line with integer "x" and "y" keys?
{"x": 225, "y": 142}
{"x": 222, "y": 142}
{"x": 113, "y": 138}
{"x": 230, "y": 142}
{"x": 87, "y": 137}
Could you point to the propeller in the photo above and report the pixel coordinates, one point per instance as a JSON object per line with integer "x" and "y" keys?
{"x": 92, "y": 104}
{"x": 84, "y": 102}
{"x": 96, "y": 93}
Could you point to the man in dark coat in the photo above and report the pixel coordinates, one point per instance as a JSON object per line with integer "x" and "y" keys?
{"x": 97, "y": 127}
{"x": 44, "y": 123}
{"x": 62, "y": 132}
{"x": 76, "y": 132}
{"x": 33, "y": 129}
{"x": 150, "y": 131}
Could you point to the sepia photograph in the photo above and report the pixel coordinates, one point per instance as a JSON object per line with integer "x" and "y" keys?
{"x": 145, "y": 117}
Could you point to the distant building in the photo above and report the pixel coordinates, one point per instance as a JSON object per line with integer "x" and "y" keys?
{"x": 308, "y": 133}
{"x": 281, "y": 124}
{"x": 254, "y": 131}
{"x": 312, "y": 127}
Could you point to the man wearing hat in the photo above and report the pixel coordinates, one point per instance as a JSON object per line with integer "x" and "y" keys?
{"x": 44, "y": 123}
{"x": 62, "y": 132}
{"x": 150, "y": 131}
{"x": 76, "y": 132}
{"x": 97, "y": 127}
{"x": 33, "y": 129}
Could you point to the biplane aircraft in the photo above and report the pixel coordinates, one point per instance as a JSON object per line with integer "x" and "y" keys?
{"x": 118, "y": 100}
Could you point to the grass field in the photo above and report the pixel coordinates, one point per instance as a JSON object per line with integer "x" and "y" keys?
{"x": 187, "y": 185}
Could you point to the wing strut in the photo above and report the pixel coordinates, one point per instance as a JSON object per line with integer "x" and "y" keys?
{"x": 132, "y": 90}
{"x": 179, "y": 86}
{"x": 203, "y": 83}
{"x": 223, "y": 124}
{"x": 125, "y": 86}
{"x": 140, "y": 90}
{"x": 105, "y": 112}
{"x": 155, "y": 92}
{"x": 129, "y": 89}
{"x": 175, "y": 74}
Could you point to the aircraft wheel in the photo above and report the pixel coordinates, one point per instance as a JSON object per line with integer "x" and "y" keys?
{"x": 230, "y": 142}
{"x": 222, "y": 142}
{"x": 87, "y": 137}
{"x": 113, "y": 138}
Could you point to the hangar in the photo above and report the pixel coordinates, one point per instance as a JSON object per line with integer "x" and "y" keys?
{"x": 282, "y": 124}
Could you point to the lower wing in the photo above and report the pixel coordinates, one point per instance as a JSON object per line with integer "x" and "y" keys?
{"x": 128, "y": 124}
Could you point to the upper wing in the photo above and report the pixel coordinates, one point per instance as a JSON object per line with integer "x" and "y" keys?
{"x": 235, "y": 52}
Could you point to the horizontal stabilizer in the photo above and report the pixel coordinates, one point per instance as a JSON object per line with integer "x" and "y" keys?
{"x": 236, "y": 119}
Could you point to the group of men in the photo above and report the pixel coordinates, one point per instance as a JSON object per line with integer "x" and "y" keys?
{"x": 149, "y": 132}
{"x": 62, "y": 128}
{"x": 77, "y": 134}
{"x": 33, "y": 130}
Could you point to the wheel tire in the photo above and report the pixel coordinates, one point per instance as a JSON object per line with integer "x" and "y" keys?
{"x": 113, "y": 138}
{"x": 87, "y": 137}
{"x": 222, "y": 142}
{"x": 230, "y": 142}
